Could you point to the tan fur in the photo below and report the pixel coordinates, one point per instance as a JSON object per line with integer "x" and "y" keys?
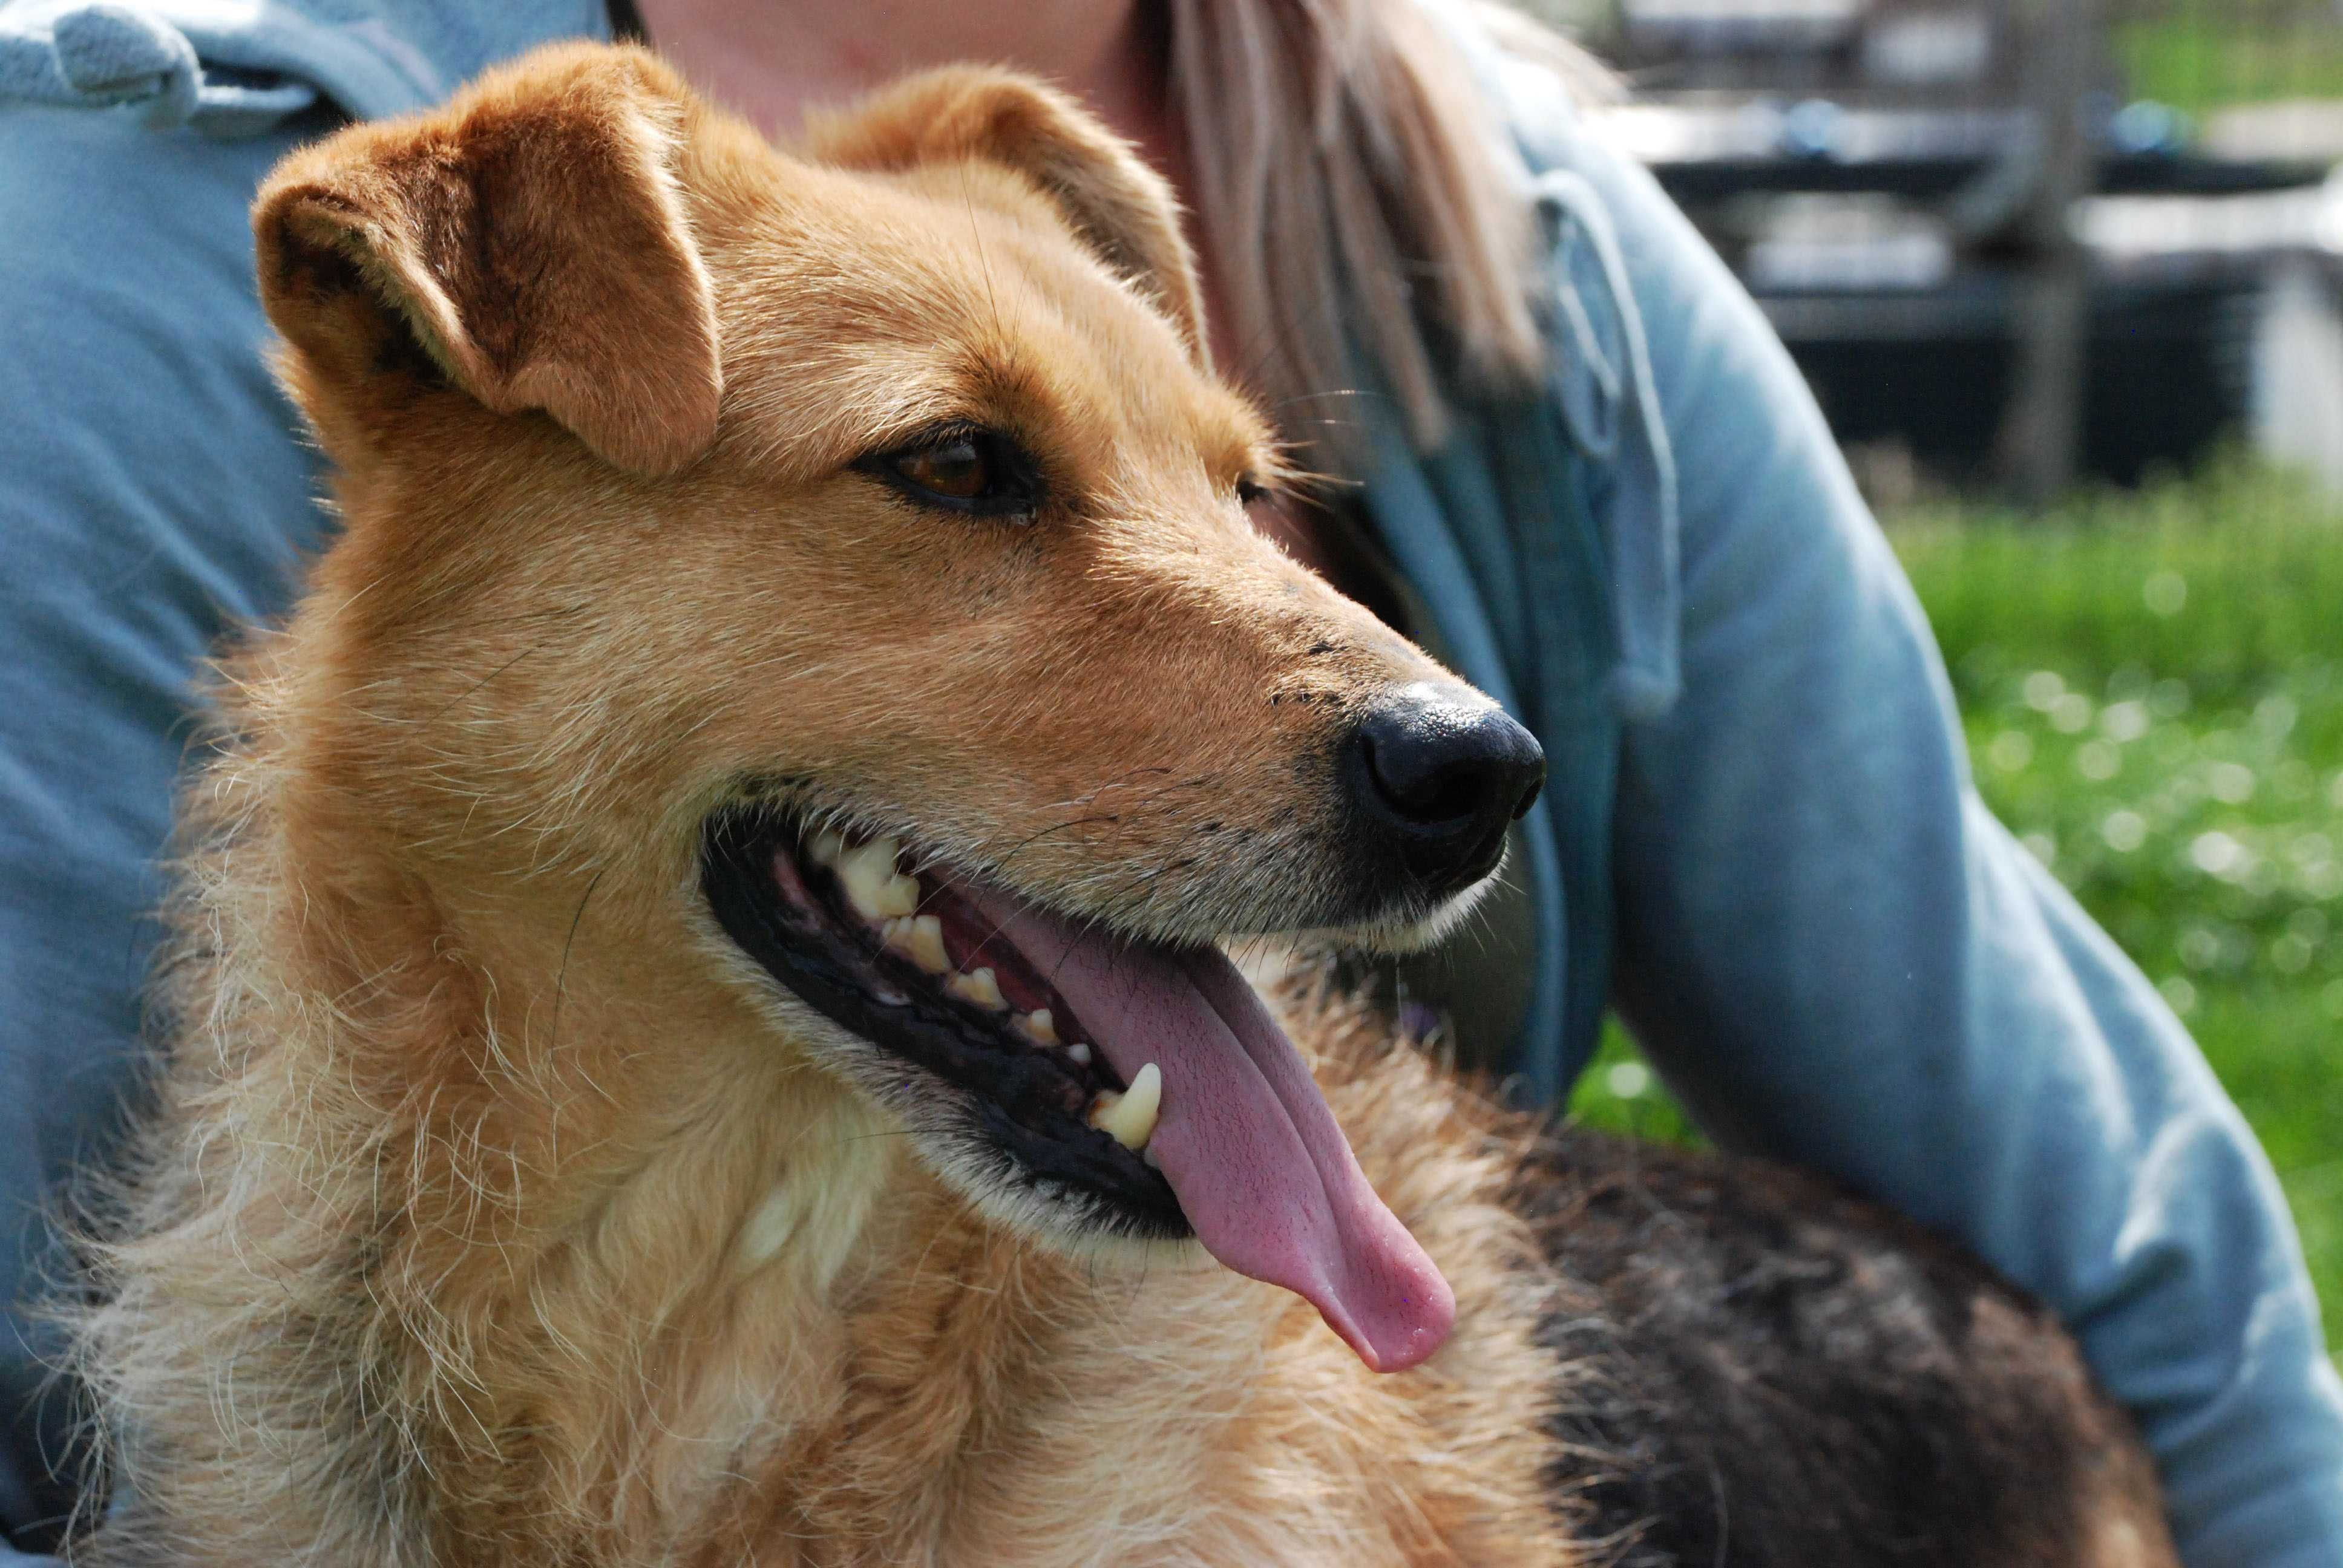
{"x": 535, "y": 244}
{"x": 497, "y": 1209}
{"x": 1110, "y": 199}
{"x": 500, "y": 1211}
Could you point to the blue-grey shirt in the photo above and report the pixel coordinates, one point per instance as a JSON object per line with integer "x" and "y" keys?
{"x": 1760, "y": 842}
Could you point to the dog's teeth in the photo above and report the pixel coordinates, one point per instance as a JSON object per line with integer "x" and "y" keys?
{"x": 876, "y": 889}
{"x": 979, "y": 986}
{"x": 1038, "y": 1026}
{"x": 824, "y": 846}
{"x": 1129, "y": 1118}
{"x": 1079, "y": 1054}
{"x": 921, "y": 938}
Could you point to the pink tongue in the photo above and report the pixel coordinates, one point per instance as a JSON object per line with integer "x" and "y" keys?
{"x": 1248, "y": 1144}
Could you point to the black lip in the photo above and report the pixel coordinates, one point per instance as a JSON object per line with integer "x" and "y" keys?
{"x": 1018, "y": 1100}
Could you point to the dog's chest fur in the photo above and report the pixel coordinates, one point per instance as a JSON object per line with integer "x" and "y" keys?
{"x": 866, "y": 1373}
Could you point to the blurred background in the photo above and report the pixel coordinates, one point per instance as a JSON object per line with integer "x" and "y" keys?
{"x": 2067, "y": 278}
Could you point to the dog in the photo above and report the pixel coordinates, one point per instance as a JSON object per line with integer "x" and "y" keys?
{"x": 701, "y": 1024}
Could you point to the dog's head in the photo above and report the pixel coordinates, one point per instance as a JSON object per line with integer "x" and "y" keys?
{"x": 838, "y": 564}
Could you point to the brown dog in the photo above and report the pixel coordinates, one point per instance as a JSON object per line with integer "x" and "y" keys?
{"x": 700, "y": 1030}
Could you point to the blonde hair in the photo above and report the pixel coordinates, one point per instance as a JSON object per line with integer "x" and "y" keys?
{"x": 1350, "y": 196}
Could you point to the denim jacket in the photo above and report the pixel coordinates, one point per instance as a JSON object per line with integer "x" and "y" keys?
{"x": 1759, "y": 841}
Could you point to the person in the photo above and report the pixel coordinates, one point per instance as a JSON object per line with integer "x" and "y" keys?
{"x": 1586, "y": 473}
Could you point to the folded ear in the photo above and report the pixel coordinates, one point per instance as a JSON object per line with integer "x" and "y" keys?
{"x": 527, "y": 244}
{"x": 1118, "y": 206}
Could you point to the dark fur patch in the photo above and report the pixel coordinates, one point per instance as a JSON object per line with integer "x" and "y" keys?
{"x": 1770, "y": 1373}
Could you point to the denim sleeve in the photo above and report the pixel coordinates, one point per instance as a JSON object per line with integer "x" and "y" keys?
{"x": 152, "y": 492}
{"x": 1836, "y": 955}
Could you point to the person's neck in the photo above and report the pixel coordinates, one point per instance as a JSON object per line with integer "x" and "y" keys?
{"x": 771, "y": 60}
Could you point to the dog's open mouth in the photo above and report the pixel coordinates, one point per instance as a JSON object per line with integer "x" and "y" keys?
{"x": 1146, "y": 1077}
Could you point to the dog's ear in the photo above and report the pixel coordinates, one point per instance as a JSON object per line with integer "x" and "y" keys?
{"x": 527, "y": 244}
{"x": 1120, "y": 207}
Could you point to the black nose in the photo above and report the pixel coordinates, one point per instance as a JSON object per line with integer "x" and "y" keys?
{"x": 1443, "y": 770}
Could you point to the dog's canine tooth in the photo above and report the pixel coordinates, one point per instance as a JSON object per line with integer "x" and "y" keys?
{"x": 824, "y": 846}
{"x": 981, "y": 987}
{"x": 1079, "y": 1054}
{"x": 921, "y": 938}
{"x": 876, "y": 889}
{"x": 1129, "y": 1118}
{"x": 1038, "y": 1025}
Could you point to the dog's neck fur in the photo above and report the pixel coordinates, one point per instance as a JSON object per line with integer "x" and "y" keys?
{"x": 607, "y": 1288}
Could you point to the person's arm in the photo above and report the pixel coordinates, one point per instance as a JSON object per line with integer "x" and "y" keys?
{"x": 152, "y": 492}
{"x": 1835, "y": 955}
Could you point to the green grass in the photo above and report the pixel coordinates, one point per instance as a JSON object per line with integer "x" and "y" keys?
{"x": 2207, "y": 60}
{"x": 2152, "y": 685}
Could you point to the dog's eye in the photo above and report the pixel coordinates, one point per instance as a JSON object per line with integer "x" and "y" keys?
{"x": 966, "y": 471}
{"x": 957, "y": 471}
{"x": 1250, "y": 489}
